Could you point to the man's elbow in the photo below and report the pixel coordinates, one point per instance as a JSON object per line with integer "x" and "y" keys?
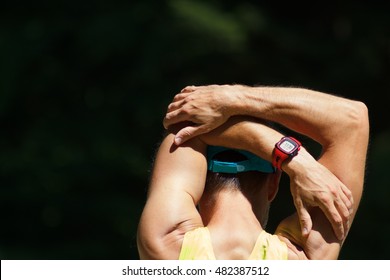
{"x": 362, "y": 110}
{"x": 154, "y": 244}
{"x": 148, "y": 247}
{"x": 143, "y": 246}
{"x": 147, "y": 241}
{"x": 357, "y": 118}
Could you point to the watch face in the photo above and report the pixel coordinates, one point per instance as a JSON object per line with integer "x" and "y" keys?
{"x": 288, "y": 146}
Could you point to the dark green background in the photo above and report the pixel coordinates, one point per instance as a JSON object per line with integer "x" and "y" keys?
{"x": 84, "y": 86}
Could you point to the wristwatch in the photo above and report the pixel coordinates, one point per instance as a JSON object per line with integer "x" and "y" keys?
{"x": 287, "y": 147}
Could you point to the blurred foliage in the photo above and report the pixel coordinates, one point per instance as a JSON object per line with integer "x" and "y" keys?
{"x": 84, "y": 86}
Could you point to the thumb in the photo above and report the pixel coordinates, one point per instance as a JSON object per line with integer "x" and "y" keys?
{"x": 187, "y": 133}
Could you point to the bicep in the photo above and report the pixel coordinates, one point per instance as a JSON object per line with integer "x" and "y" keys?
{"x": 176, "y": 185}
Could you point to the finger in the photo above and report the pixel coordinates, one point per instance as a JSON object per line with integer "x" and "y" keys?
{"x": 347, "y": 200}
{"x": 175, "y": 117}
{"x": 188, "y": 89}
{"x": 306, "y": 222}
{"x": 181, "y": 96}
{"x": 345, "y": 215}
{"x": 304, "y": 217}
{"x": 175, "y": 105}
{"x": 342, "y": 208}
{"x": 347, "y": 203}
{"x": 345, "y": 211}
{"x": 347, "y": 192}
{"x": 187, "y": 133}
{"x": 335, "y": 219}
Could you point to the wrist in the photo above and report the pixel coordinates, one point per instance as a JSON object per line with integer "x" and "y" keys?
{"x": 253, "y": 101}
{"x": 286, "y": 148}
{"x": 300, "y": 162}
{"x": 236, "y": 100}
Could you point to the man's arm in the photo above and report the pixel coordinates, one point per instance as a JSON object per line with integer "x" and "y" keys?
{"x": 318, "y": 187}
{"x": 338, "y": 124}
{"x": 176, "y": 185}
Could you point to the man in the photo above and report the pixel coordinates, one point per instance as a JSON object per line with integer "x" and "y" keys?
{"x": 231, "y": 223}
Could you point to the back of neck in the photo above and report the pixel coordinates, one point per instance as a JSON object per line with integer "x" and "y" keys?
{"x": 229, "y": 208}
{"x": 233, "y": 226}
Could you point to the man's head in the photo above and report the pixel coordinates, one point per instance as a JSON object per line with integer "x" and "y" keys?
{"x": 238, "y": 170}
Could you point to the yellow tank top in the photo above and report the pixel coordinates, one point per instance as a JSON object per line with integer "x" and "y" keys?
{"x": 197, "y": 246}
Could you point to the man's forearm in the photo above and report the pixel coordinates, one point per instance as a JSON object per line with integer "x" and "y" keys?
{"x": 320, "y": 116}
{"x": 244, "y": 133}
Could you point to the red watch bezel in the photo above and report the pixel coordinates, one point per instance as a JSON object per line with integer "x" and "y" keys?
{"x": 280, "y": 155}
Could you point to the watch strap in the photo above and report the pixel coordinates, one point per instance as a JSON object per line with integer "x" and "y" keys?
{"x": 278, "y": 158}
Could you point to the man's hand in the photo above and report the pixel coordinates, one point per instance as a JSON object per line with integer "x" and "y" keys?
{"x": 205, "y": 107}
{"x": 313, "y": 185}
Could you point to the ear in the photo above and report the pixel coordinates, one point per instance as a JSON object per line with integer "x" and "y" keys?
{"x": 273, "y": 185}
